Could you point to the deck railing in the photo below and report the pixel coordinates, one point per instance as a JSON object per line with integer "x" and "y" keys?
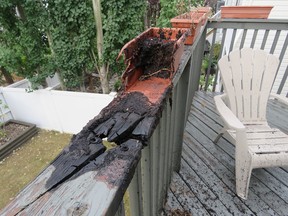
{"x": 85, "y": 180}
{"x": 163, "y": 154}
{"x": 270, "y": 35}
{"x": 96, "y": 186}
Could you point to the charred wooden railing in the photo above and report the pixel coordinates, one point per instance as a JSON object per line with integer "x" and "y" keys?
{"x": 270, "y": 35}
{"x": 87, "y": 179}
{"x": 163, "y": 154}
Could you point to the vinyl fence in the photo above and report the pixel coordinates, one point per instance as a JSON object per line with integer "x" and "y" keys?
{"x": 54, "y": 110}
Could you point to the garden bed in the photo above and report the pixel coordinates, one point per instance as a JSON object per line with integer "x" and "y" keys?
{"x": 14, "y": 134}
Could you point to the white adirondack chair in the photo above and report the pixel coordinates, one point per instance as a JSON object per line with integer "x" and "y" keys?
{"x": 247, "y": 76}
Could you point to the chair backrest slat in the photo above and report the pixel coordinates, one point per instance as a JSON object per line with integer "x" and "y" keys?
{"x": 259, "y": 67}
{"x": 248, "y": 76}
{"x": 225, "y": 65}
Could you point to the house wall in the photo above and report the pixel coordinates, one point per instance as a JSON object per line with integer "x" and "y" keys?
{"x": 55, "y": 110}
{"x": 233, "y": 2}
{"x": 279, "y": 11}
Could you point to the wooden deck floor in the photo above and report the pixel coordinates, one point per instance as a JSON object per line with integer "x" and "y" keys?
{"x": 205, "y": 184}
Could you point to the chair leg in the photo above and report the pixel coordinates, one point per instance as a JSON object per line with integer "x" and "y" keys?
{"x": 223, "y": 130}
{"x": 243, "y": 174}
{"x": 218, "y": 137}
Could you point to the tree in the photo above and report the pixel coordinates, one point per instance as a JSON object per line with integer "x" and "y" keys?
{"x": 71, "y": 38}
{"x": 41, "y": 37}
{"x": 103, "y": 68}
{"x": 23, "y": 48}
{"x": 122, "y": 20}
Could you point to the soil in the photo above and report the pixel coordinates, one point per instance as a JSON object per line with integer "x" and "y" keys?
{"x": 155, "y": 55}
{"x": 155, "y": 58}
{"x": 10, "y": 131}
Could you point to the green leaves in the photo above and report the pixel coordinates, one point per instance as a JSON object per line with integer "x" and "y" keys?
{"x": 172, "y": 8}
{"x": 122, "y": 21}
{"x": 60, "y": 36}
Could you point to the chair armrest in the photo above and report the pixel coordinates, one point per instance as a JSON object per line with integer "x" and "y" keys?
{"x": 227, "y": 115}
{"x": 281, "y": 98}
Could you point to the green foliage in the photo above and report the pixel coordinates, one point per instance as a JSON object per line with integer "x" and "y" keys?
{"x": 122, "y": 21}
{"x": 23, "y": 48}
{"x": 216, "y": 51}
{"x": 172, "y": 8}
{"x": 71, "y": 25}
{"x": 59, "y": 36}
{"x": 205, "y": 64}
{"x": 168, "y": 11}
{"x": 117, "y": 85}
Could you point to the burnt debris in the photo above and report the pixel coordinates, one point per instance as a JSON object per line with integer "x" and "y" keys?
{"x": 132, "y": 115}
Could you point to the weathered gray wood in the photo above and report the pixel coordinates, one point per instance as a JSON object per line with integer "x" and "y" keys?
{"x": 258, "y": 187}
{"x": 186, "y": 197}
{"x": 63, "y": 167}
{"x": 228, "y": 198}
{"x": 231, "y": 151}
{"x": 155, "y": 165}
{"x": 214, "y": 166}
{"x": 227, "y": 147}
{"x": 277, "y": 114}
{"x": 108, "y": 175}
{"x": 273, "y": 184}
{"x": 204, "y": 193}
{"x": 121, "y": 210}
{"x": 135, "y": 194}
{"x": 146, "y": 181}
{"x": 179, "y": 106}
{"x": 162, "y": 184}
{"x": 216, "y": 162}
{"x": 171, "y": 205}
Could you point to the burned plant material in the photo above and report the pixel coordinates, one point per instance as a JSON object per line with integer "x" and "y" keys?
{"x": 154, "y": 53}
{"x": 155, "y": 57}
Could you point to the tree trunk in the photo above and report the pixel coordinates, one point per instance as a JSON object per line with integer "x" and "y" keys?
{"x": 103, "y": 67}
{"x": 7, "y": 76}
{"x": 50, "y": 42}
{"x": 21, "y": 12}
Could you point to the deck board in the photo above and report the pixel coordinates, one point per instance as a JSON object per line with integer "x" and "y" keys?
{"x": 206, "y": 182}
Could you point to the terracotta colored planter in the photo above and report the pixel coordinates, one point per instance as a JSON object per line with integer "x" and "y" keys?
{"x": 132, "y": 51}
{"x": 245, "y": 12}
{"x": 206, "y": 11}
{"x": 192, "y": 20}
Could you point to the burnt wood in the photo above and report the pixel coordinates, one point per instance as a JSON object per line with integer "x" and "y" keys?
{"x": 86, "y": 179}
{"x": 129, "y": 121}
{"x": 96, "y": 189}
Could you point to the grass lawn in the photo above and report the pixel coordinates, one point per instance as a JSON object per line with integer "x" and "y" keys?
{"x": 25, "y": 163}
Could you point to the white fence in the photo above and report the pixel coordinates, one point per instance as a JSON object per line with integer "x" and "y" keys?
{"x": 5, "y": 113}
{"x": 55, "y": 110}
